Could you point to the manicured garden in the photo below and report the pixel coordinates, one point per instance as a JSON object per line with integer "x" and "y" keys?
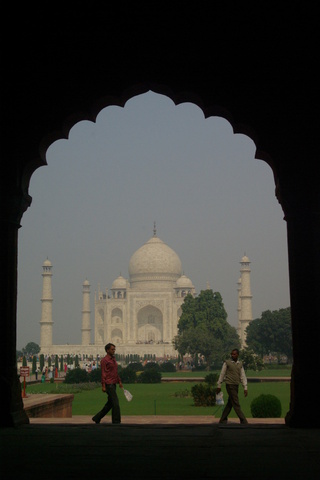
{"x": 172, "y": 398}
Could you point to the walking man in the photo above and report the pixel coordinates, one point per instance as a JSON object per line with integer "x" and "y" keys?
{"x": 233, "y": 373}
{"x": 109, "y": 380}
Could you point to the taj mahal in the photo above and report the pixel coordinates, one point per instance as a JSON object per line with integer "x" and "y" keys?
{"x": 140, "y": 314}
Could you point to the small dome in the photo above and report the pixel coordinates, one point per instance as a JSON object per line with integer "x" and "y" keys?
{"x": 47, "y": 263}
{"x": 245, "y": 259}
{"x": 119, "y": 282}
{"x": 184, "y": 282}
{"x": 86, "y": 282}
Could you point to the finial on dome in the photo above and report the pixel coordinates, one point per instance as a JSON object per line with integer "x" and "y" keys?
{"x": 154, "y": 229}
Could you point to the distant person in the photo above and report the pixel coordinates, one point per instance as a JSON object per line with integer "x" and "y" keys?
{"x": 233, "y": 374}
{"x": 109, "y": 380}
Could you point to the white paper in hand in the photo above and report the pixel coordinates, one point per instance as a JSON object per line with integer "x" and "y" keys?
{"x": 128, "y": 395}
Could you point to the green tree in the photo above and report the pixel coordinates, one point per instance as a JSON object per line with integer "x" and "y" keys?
{"x": 56, "y": 362}
{"x": 271, "y": 333}
{"x": 41, "y": 358}
{"x": 34, "y": 364}
{"x": 19, "y": 354}
{"x": 31, "y": 348}
{"x": 250, "y": 360}
{"x": 203, "y": 328}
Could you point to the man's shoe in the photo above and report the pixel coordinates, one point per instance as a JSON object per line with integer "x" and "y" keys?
{"x": 223, "y": 421}
{"x": 96, "y": 420}
{"x": 244, "y": 422}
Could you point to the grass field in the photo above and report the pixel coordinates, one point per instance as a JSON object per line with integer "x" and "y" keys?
{"x": 281, "y": 372}
{"x": 161, "y": 399}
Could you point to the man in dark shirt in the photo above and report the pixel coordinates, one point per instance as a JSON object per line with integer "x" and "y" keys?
{"x": 109, "y": 380}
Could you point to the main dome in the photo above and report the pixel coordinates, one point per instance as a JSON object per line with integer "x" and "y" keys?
{"x": 155, "y": 261}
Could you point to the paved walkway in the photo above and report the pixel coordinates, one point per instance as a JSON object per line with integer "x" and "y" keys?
{"x": 154, "y": 420}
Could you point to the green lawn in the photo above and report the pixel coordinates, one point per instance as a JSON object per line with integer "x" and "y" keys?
{"x": 160, "y": 399}
{"x": 281, "y": 372}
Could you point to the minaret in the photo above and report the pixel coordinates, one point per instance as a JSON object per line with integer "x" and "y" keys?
{"x": 245, "y": 300}
{"x": 46, "y": 314}
{"x": 239, "y": 307}
{"x": 86, "y": 330}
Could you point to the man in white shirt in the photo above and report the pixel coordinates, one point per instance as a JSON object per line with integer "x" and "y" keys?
{"x": 233, "y": 374}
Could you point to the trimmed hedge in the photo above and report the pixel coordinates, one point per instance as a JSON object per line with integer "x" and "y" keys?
{"x": 204, "y": 395}
{"x": 135, "y": 366}
{"x": 77, "y": 375}
{"x": 150, "y": 375}
{"x": 152, "y": 366}
{"x": 127, "y": 375}
{"x": 95, "y": 375}
{"x": 168, "y": 367}
{"x": 266, "y": 406}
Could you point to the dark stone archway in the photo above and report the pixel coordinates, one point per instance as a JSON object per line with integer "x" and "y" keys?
{"x": 256, "y": 69}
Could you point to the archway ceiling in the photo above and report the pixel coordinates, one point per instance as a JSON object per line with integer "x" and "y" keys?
{"x": 252, "y": 68}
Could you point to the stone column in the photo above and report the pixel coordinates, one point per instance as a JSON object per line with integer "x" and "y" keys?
{"x": 11, "y": 404}
{"x": 300, "y": 201}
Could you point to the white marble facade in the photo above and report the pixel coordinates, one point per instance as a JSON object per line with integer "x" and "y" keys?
{"x": 139, "y": 314}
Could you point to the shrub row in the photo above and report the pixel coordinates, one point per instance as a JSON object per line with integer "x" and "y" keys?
{"x": 79, "y": 375}
{"x": 133, "y": 373}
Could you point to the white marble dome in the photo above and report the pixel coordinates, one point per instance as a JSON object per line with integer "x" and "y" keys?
{"x": 184, "y": 282}
{"x": 119, "y": 282}
{"x": 155, "y": 261}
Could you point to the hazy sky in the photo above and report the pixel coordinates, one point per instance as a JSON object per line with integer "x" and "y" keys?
{"x": 95, "y": 202}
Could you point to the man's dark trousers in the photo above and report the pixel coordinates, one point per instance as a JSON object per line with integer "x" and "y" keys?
{"x": 233, "y": 402}
{"x": 112, "y": 404}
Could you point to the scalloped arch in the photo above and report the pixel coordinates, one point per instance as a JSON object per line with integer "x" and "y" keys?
{"x": 98, "y": 103}
{"x": 177, "y": 98}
